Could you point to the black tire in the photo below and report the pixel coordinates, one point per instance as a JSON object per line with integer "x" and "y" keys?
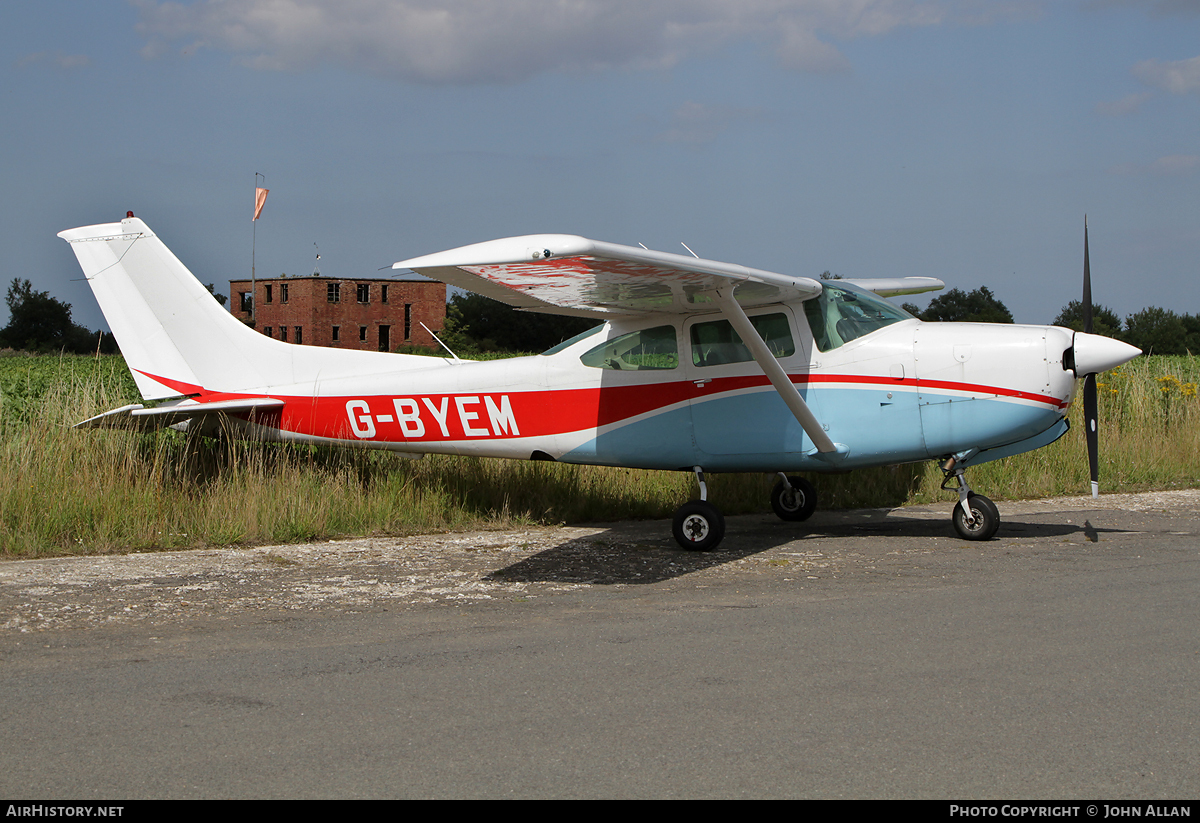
{"x": 796, "y": 503}
{"x": 985, "y": 514}
{"x": 698, "y": 526}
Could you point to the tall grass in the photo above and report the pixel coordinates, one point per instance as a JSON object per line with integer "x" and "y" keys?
{"x": 70, "y": 491}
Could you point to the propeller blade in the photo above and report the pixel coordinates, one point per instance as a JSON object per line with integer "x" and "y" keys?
{"x": 1090, "y": 431}
{"x": 1090, "y": 421}
{"x": 1087, "y": 283}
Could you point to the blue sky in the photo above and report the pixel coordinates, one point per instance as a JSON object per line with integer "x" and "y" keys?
{"x": 959, "y": 139}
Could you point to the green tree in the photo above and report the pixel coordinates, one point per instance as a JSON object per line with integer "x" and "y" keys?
{"x": 36, "y": 319}
{"x": 978, "y": 306}
{"x": 477, "y": 323}
{"x": 1156, "y": 331}
{"x": 39, "y": 322}
{"x": 1191, "y": 327}
{"x": 1104, "y": 320}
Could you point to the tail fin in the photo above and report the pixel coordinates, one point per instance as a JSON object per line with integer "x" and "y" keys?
{"x": 177, "y": 339}
{"x": 168, "y": 325}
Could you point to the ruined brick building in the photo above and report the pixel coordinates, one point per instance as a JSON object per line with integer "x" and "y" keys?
{"x": 374, "y": 314}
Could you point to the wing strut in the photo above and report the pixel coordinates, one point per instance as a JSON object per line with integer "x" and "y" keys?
{"x": 779, "y": 379}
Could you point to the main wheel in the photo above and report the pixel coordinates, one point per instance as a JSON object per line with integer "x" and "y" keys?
{"x": 796, "y": 503}
{"x": 698, "y": 526}
{"x": 985, "y": 518}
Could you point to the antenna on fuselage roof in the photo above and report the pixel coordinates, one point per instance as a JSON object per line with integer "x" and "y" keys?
{"x": 685, "y": 245}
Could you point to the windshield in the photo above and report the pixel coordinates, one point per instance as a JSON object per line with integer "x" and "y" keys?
{"x": 568, "y": 343}
{"x": 845, "y": 313}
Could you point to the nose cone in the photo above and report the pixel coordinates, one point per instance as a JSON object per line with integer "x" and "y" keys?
{"x": 1095, "y": 353}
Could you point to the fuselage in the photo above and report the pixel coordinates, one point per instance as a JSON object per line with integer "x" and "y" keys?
{"x": 673, "y": 392}
{"x": 833, "y": 376}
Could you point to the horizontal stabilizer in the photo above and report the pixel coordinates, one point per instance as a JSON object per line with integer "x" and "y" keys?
{"x": 140, "y": 418}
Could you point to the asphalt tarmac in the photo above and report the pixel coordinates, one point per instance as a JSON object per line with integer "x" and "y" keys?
{"x": 862, "y": 654}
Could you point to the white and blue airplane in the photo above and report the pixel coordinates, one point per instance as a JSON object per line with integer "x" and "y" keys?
{"x": 698, "y": 366}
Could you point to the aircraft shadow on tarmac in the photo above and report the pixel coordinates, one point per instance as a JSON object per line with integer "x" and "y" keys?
{"x": 629, "y": 555}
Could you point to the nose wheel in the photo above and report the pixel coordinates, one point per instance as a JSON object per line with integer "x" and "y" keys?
{"x": 975, "y": 517}
{"x": 982, "y": 521}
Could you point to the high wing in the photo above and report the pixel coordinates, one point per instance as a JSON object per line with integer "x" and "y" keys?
{"x": 565, "y": 274}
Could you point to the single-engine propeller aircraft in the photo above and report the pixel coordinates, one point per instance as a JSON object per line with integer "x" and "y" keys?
{"x": 697, "y": 366}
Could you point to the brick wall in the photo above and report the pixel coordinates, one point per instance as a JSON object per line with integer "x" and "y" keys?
{"x": 373, "y": 326}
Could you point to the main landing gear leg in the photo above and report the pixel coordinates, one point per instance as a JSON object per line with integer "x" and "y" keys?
{"x": 975, "y": 517}
{"x": 699, "y": 525}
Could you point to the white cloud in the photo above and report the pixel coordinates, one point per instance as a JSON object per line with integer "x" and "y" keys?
{"x": 1178, "y": 77}
{"x": 1157, "y": 8}
{"x": 698, "y": 124}
{"x": 1125, "y": 105}
{"x": 473, "y": 41}
{"x": 55, "y": 59}
{"x": 1175, "y": 165}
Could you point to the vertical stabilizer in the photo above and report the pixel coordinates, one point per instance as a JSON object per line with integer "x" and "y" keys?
{"x": 178, "y": 340}
{"x": 168, "y": 326}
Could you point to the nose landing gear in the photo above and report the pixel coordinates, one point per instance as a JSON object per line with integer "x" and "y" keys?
{"x": 975, "y": 517}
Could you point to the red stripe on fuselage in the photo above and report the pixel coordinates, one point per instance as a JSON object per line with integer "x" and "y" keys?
{"x": 469, "y": 415}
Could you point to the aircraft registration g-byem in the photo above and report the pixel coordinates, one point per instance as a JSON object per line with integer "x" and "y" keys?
{"x": 698, "y": 366}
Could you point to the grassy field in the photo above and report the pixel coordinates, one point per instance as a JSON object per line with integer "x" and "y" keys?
{"x": 66, "y": 491}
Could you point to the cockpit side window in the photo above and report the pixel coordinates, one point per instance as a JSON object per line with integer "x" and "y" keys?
{"x": 840, "y": 315}
{"x": 716, "y": 343}
{"x": 646, "y": 349}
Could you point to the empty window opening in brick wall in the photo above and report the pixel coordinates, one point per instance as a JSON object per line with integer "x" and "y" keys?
{"x": 408, "y": 321}
{"x": 364, "y": 292}
{"x": 337, "y": 333}
{"x": 333, "y": 292}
